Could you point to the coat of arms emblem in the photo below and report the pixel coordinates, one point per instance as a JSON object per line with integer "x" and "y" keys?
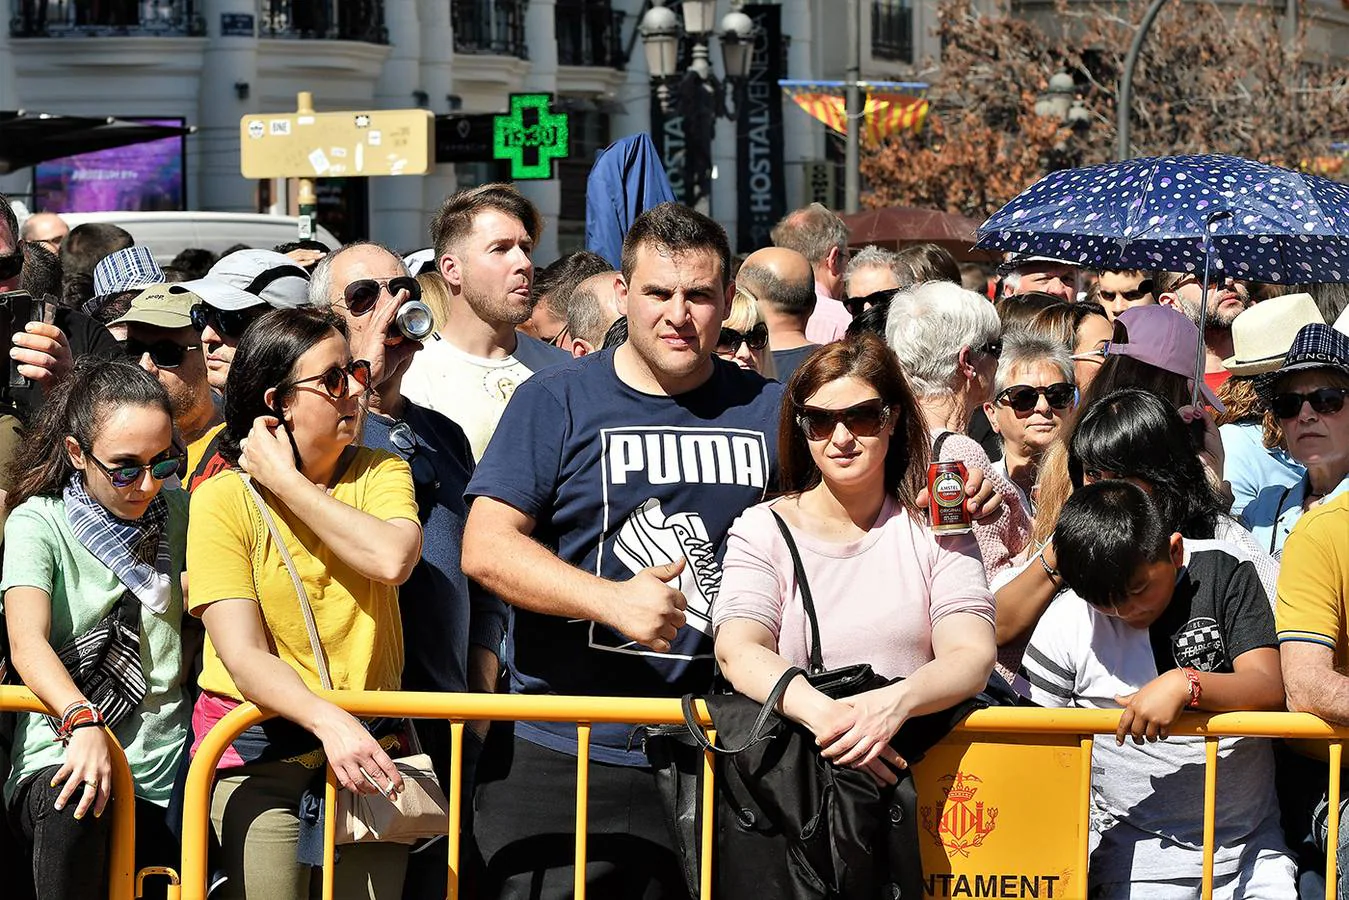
{"x": 958, "y": 822}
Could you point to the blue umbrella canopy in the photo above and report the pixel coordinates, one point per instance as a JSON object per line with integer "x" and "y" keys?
{"x": 1267, "y": 223}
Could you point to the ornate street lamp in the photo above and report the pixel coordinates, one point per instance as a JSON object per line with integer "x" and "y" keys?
{"x": 698, "y": 96}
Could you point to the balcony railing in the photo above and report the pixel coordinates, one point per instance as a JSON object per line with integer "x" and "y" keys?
{"x": 490, "y": 26}
{"x": 589, "y": 33}
{"x": 333, "y": 20}
{"x": 105, "y": 18}
{"x": 892, "y": 30}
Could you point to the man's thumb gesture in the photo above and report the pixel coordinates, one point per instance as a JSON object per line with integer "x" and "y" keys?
{"x": 669, "y": 571}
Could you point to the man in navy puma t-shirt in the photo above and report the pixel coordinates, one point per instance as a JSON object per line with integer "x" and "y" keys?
{"x": 600, "y": 511}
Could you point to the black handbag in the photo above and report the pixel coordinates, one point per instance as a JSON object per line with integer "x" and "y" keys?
{"x": 789, "y": 823}
{"x": 105, "y": 662}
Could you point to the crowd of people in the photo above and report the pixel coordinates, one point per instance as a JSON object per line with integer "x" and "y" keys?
{"x": 239, "y": 479}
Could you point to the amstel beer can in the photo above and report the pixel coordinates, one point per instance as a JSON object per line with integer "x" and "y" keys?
{"x": 946, "y": 492}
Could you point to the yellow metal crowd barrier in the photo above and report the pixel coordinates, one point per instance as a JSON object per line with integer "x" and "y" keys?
{"x": 122, "y": 882}
{"x": 1004, "y": 800}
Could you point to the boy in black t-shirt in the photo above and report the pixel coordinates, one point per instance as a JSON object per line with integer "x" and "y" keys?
{"x": 1156, "y": 627}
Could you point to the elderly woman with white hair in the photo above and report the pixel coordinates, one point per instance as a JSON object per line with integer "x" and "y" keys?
{"x": 948, "y": 341}
{"x": 1034, "y": 397}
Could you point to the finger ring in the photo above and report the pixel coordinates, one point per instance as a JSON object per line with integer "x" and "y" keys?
{"x": 92, "y": 784}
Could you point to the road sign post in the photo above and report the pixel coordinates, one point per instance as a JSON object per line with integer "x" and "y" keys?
{"x": 308, "y": 145}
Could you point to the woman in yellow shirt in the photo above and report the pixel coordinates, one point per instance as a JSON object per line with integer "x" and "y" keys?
{"x": 348, "y": 518}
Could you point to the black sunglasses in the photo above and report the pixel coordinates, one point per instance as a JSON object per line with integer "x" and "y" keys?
{"x": 858, "y": 305}
{"x": 164, "y": 354}
{"x": 125, "y": 476}
{"x": 1023, "y": 398}
{"x": 730, "y": 339}
{"x": 228, "y": 323}
{"x": 360, "y": 296}
{"x": 1324, "y": 402}
{"x": 1144, "y": 289}
{"x": 425, "y": 482}
{"x": 865, "y": 419}
{"x": 11, "y": 264}
{"x": 992, "y": 348}
{"x": 336, "y": 381}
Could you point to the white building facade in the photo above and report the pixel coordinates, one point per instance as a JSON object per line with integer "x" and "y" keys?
{"x": 210, "y": 62}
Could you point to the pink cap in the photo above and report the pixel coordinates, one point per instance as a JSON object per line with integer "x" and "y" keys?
{"x": 1163, "y": 337}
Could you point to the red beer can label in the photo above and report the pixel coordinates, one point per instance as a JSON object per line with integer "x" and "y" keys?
{"x": 946, "y": 488}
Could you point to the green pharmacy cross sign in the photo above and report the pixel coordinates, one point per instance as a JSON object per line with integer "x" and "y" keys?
{"x": 531, "y": 136}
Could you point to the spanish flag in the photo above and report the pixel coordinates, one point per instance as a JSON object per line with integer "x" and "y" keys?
{"x": 889, "y": 107}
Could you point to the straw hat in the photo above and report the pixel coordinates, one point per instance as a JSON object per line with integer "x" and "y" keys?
{"x": 1262, "y": 334}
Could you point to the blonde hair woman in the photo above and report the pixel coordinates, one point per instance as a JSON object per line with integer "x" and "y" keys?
{"x": 744, "y": 337}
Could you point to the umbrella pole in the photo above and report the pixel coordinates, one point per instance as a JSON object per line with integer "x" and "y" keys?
{"x": 1200, "y": 367}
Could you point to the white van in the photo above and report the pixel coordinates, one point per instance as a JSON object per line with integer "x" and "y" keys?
{"x": 169, "y": 233}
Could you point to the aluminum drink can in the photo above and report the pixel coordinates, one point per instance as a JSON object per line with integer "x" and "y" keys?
{"x": 946, "y": 493}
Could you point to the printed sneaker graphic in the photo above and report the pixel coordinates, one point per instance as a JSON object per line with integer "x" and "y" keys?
{"x": 651, "y": 538}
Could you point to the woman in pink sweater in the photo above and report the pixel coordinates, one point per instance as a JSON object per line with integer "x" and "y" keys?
{"x": 853, "y": 449}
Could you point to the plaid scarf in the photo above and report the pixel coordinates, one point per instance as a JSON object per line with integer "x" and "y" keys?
{"x": 136, "y": 552}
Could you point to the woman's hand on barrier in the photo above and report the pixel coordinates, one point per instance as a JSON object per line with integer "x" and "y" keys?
{"x": 86, "y": 772}
{"x": 864, "y": 736}
{"x": 1150, "y": 712}
{"x": 360, "y": 762}
{"x": 266, "y": 452}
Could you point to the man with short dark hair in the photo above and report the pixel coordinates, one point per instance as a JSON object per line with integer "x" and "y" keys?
{"x": 83, "y": 249}
{"x": 781, "y": 281}
{"x": 483, "y": 239}
{"x": 553, "y": 287}
{"x": 1119, "y": 289}
{"x": 600, "y": 512}
{"x": 822, "y": 238}
{"x": 592, "y": 309}
{"x": 1225, "y": 298}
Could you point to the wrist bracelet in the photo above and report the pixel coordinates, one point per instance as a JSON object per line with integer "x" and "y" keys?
{"x": 1052, "y": 572}
{"x": 1196, "y": 688}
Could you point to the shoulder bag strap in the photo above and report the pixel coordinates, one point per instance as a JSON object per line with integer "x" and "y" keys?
{"x": 757, "y": 731}
{"x": 937, "y": 445}
{"x": 306, "y": 610}
{"x": 816, "y": 657}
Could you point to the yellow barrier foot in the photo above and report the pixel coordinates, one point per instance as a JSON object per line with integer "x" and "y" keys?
{"x": 174, "y": 889}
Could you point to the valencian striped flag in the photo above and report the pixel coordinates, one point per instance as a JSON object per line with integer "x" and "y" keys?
{"x": 890, "y": 106}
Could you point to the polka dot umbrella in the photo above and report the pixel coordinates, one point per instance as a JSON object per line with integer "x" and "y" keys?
{"x": 1267, "y": 223}
{"x": 1264, "y": 223}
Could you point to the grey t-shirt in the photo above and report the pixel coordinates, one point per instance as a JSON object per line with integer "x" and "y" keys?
{"x": 1145, "y": 800}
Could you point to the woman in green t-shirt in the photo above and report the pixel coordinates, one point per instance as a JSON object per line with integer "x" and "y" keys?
{"x": 95, "y": 547}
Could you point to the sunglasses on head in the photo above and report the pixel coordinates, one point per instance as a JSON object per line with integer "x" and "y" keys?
{"x": 336, "y": 381}
{"x": 11, "y": 264}
{"x": 125, "y": 476}
{"x": 992, "y": 348}
{"x": 1144, "y": 289}
{"x": 1023, "y": 398}
{"x": 361, "y": 296}
{"x": 228, "y": 323}
{"x": 1324, "y": 402}
{"x": 865, "y": 419}
{"x": 164, "y": 354}
{"x": 756, "y": 337}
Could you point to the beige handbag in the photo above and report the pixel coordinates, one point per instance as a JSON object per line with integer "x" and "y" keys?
{"x": 420, "y": 810}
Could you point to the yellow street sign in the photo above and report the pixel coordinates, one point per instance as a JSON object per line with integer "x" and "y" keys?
{"x": 337, "y": 144}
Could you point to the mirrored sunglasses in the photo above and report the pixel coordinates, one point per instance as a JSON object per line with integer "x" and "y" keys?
{"x": 730, "y": 339}
{"x": 361, "y": 296}
{"x": 1023, "y": 398}
{"x": 125, "y": 476}
{"x": 1324, "y": 402}
{"x": 864, "y": 419}
{"x": 336, "y": 381}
